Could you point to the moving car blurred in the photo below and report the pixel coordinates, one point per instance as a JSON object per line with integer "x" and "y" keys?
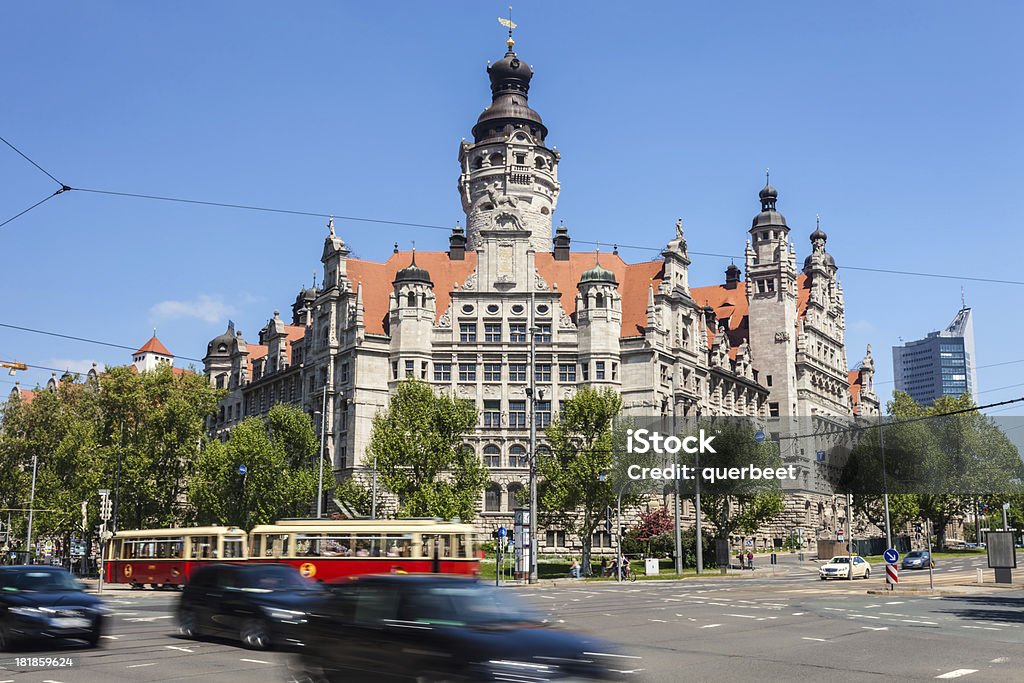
{"x": 38, "y": 602}
{"x": 839, "y": 568}
{"x": 917, "y": 559}
{"x": 250, "y": 602}
{"x": 439, "y": 628}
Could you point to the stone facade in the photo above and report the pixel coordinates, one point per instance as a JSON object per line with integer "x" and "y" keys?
{"x": 767, "y": 345}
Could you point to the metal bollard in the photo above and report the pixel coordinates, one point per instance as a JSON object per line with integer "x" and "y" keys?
{"x": 979, "y": 575}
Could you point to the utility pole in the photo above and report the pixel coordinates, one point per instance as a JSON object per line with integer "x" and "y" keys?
{"x": 931, "y": 560}
{"x": 31, "y": 509}
{"x": 849, "y": 535}
{"x": 885, "y": 483}
{"x": 323, "y": 441}
{"x": 696, "y": 505}
{"x": 677, "y": 511}
{"x": 532, "y": 390}
{"x": 117, "y": 480}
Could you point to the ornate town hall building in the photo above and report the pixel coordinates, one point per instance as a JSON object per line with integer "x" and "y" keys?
{"x": 768, "y": 341}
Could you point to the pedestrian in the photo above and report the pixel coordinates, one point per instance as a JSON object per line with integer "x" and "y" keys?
{"x": 574, "y": 569}
{"x": 604, "y": 566}
{"x": 750, "y": 560}
{"x": 739, "y": 558}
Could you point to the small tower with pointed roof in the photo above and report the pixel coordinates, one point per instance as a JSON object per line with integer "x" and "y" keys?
{"x": 411, "y": 320}
{"x": 152, "y": 355}
{"x": 599, "y": 321}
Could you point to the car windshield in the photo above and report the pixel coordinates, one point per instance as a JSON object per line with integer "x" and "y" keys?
{"x": 39, "y": 580}
{"x": 839, "y": 560}
{"x": 271, "y": 579}
{"x": 479, "y": 606}
{"x": 916, "y": 553}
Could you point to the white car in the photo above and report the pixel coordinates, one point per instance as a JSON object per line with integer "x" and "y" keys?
{"x": 839, "y": 568}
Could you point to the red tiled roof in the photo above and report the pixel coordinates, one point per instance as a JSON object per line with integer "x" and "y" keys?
{"x": 154, "y": 345}
{"x": 376, "y": 279}
{"x": 853, "y": 377}
{"x": 295, "y": 332}
{"x": 26, "y": 396}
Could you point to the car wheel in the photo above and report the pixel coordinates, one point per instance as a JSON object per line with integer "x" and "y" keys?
{"x": 255, "y": 635}
{"x": 867, "y": 573}
{"x": 6, "y": 642}
{"x": 93, "y": 639}
{"x": 187, "y": 624}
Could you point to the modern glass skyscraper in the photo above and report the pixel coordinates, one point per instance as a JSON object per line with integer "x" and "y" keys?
{"x": 941, "y": 364}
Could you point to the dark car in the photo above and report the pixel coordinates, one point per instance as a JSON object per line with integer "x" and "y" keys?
{"x": 47, "y": 603}
{"x": 439, "y": 628}
{"x": 917, "y": 559}
{"x": 248, "y": 602}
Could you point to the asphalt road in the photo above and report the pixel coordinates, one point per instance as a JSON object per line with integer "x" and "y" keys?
{"x": 784, "y": 628}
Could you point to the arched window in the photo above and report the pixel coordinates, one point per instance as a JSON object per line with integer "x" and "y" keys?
{"x": 478, "y": 162}
{"x": 412, "y": 299}
{"x": 543, "y": 451}
{"x": 492, "y": 455}
{"x": 423, "y": 300}
{"x": 517, "y": 456}
{"x": 492, "y": 498}
{"x": 539, "y": 163}
{"x": 515, "y": 497}
{"x": 497, "y": 159}
{"x": 599, "y": 300}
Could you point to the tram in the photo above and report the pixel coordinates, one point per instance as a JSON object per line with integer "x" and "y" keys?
{"x": 165, "y": 558}
{"x": 324, "y": 549}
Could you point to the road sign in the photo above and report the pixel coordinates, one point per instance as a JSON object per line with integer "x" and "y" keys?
{"x": 502, "y": 532}
{"x": 750, "y": 542}
{"x": 839, "y": 534}
{"x": 819, "y": 456}
{"x": 1006, "y": 506}
{"x": 759, "y": 436}
{"x": 242, "y": 469}
{"x": 892, "y": 575}
{"x": 891, "y": 556}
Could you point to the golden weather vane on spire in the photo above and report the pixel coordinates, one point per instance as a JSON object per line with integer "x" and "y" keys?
{"x": 509, "y": 24}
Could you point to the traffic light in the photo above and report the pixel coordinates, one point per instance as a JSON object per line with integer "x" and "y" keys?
{"x": 608, "y": 518}
{"x": 917, "y": 527}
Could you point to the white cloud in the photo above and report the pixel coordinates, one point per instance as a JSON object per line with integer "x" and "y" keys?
{"x": 79, "y": 365}
{"x": 207, "y": 308}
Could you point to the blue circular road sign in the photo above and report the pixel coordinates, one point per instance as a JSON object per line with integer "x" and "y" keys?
{"x": 242, "y": 469}
{"x": 759, "y": 436}
{"x": 502, "y": 532}
{"x": 891, "y": 556}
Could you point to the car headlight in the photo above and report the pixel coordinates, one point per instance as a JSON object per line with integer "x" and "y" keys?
{"x": 285, "y": 614}
{"x": 30, "y": 611}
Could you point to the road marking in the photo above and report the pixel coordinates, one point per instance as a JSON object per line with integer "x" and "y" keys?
{"x": 957, "y": 673}
{"x": 254, "y": 661}
{"x": 169, "y": 616}
{"x": 110, "y": 637}
{"x": 123, "y": 614}
{"x": 799, "y": 614}
{"x": 710, "y": 625}
{"x": 918, "y": 621}
{"x": 660, "y": 621}
{"x": 820, "y": 640}
{"x": 1000, "y": 660}
{"x": 604, "y": 654}
{"x": 180, "y": 649}
{"x": 895, "y": 602}
{"x": 741, "y": 616}
{"x": 876, "y": 628}
{"x": 136, "y": 666}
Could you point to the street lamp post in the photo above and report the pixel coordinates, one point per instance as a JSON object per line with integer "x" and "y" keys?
{"x": 531, "y": 392}
{"x": 677, "y": 507}
{"x": 320, "y": 477}
{"x": 31, "y": 509}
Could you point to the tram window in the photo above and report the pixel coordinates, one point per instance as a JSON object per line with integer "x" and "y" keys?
{"x": 461, "y": 548}
{"x": 232, "y": 547}
{"x": 281, "y": 545}
{"x": 116, "y": 550}
{"x": 199, "y": 547}
{"x": 257, "y": 542}
{"x": 398, "y": 546}
{"x": 308, "y": 545}
{"x": 368, "y": 545}
{"x": 443, "y": 541}
{"x": 336, "y": 546}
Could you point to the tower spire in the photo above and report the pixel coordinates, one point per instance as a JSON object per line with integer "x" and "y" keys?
{"x": 509, "y": 24}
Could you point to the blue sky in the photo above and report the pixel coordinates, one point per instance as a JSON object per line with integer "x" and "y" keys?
{"x": 899, "y": 123}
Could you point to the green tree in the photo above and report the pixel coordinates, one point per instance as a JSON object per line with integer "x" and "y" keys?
{"x": 739, "y": 505}
{"x": 417, "y": 444}
{"x": 581, "y": 478}
{"x": 280, "y": 481}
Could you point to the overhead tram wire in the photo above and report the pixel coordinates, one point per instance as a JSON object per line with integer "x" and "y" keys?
{"x": 294, "y": 212}
{"x": 83, "y": 339}
{"x": 380, "y": 221}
